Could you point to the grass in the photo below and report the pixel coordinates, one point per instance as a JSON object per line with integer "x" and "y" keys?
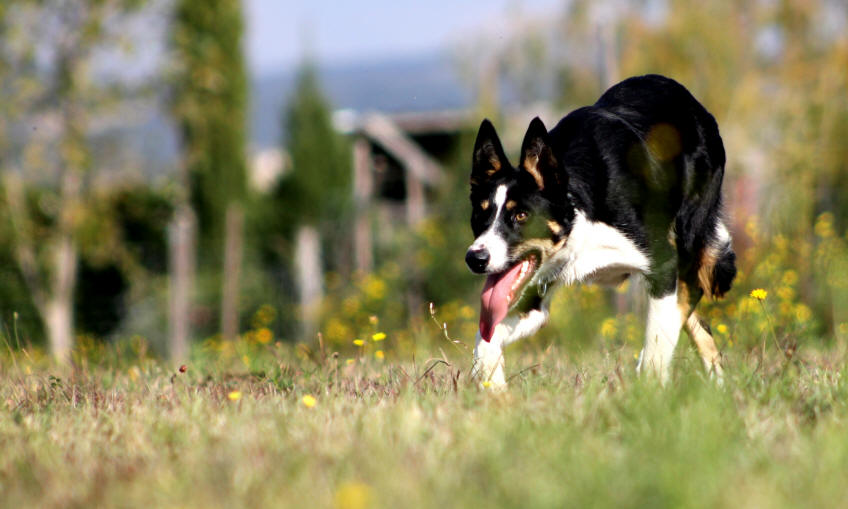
{"x": 571, "y": 431}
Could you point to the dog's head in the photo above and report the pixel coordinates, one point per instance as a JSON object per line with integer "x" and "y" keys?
{"x": 520, "y": 218}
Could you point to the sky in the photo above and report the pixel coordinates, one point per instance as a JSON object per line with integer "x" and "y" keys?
{"x": 279, "y": 32}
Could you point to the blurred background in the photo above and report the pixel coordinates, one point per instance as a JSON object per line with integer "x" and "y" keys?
{"x": 205, "y": 174}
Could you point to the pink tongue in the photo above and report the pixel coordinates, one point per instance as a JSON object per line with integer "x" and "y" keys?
{"x": 494, "y": 301}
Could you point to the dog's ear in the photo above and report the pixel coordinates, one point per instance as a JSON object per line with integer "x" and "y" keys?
{"x": 537, "y": 158}
{"x": 489, "y": 157}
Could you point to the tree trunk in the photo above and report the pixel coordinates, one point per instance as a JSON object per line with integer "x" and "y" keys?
{"x": 310, "y": 278}
{"x": 182, "y": 247}
{"x": 58, "y": 323}
{"x": 59, "y": 310}
{"x": 233, "y": 242}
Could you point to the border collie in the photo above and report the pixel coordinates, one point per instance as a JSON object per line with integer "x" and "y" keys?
{"x": 630, "y": 185}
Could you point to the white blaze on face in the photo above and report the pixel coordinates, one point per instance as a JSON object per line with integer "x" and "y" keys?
{"x": 490, "y": 240}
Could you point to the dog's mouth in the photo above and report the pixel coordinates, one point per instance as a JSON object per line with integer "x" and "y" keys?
{"x": 502, "y": 291}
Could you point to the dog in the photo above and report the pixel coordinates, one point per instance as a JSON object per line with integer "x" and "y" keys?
{"x": 630, "y": 185}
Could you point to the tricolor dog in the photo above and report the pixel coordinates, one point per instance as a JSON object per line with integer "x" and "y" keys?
{"x": 630, "y": 185}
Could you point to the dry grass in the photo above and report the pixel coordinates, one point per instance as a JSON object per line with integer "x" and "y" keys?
{"x": 569, "y": 432}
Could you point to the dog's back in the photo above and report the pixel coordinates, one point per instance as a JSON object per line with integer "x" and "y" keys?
{"x": 647, "y": 158}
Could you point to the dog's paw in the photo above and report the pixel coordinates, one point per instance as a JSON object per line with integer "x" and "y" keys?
{"x": 717, "y": 374}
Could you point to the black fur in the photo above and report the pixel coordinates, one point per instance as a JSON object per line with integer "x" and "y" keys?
{"x": 646, "y": 159}
{"x": 723, "y": 273}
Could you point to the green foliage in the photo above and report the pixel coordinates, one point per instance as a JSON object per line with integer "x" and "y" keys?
{"x": 209, "y": 102}
{"x": 121, "y": 235}
{"x": 315, "y": 191}
{"x": 318, "y": 190}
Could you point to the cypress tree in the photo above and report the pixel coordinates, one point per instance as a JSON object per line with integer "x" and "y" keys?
{"x": 210, "y": 99}
{"x": 317, "y": 193}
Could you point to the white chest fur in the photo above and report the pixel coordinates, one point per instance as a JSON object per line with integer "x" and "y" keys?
{"x": 594, "y": 253}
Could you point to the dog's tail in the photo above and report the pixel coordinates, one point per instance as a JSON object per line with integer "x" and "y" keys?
{"x": 717, "y": 264}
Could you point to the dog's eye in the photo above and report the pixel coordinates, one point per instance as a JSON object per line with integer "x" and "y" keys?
{"x": 521, "y": 216}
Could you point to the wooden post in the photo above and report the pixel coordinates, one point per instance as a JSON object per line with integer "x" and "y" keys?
{"x": 310, "y": 278}
{"x": 181, "y": 244}
{"x": 415, "y": 202}
{"x": 363, "y": 188}
{"x": 231, "y": 284}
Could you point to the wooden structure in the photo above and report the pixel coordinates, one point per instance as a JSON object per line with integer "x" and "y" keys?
{"x": 392, "y": 170}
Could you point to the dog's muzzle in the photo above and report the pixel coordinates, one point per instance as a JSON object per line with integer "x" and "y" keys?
{"x": 477, "y": 259}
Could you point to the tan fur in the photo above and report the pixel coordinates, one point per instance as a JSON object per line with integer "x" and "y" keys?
{"x": 709, "y": 258}
{"x": 545, "y": 246}
{"x": 530, "y": 164}
{"x": 496, "y": 167}
{"x": 555, "y": 227}
{"x": 484, "y": 204}
{"x": 684, "y": 303}
{"x": 705, "y": 343}
{"x": 510, "y": 204}
{"x": 692, "y": 324}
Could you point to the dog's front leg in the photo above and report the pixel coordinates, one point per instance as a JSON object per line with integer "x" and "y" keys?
{"x": 662, "y": 331}
{"x": 488, "y": 366}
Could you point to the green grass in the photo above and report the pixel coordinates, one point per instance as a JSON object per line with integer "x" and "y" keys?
{"x": 571, "y": 431}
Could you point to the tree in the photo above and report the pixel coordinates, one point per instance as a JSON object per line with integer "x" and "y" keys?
{"x": 312, "y": 203}
{"x": 210, "y": 97}
{"x": 50, "y": 103}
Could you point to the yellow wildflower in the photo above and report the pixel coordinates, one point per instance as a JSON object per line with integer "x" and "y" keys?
{"x": 721, "y": 328}
{"x": 790, "y": 277}
{"x": 234, "y": 395}
{"x": 349, "y": 361}
{"x": 264, "y": 335}
{"x": 785, "y": 293}
{"x": 486, "y": 384}
{"x": 802, "y": 313}
{"x": 352, "y": 495}
{"x": 759, "y": 294}
{"x": 379, "y": 336}
{"x": 379, "y": 355}
{"x": 309, "y": 401}
{"x": 824, "y": 225}
{"x": 358, "y": 342}
{"x": 608, "y": 328}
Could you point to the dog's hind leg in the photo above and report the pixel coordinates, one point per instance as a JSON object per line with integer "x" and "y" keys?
{"x": 700, "y": 333}
{"x": 688, "y": 296}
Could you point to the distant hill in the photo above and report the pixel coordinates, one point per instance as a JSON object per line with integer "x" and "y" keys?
{"x": 144, "y": 138}
{"x": 422, "y": 83}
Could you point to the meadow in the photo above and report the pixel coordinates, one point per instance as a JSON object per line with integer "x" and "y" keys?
{"x": 111, "y": 247}
{"x": 274, "y": 425}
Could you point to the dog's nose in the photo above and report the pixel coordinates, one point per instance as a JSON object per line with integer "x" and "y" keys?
{"x": 477, "y": 259}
